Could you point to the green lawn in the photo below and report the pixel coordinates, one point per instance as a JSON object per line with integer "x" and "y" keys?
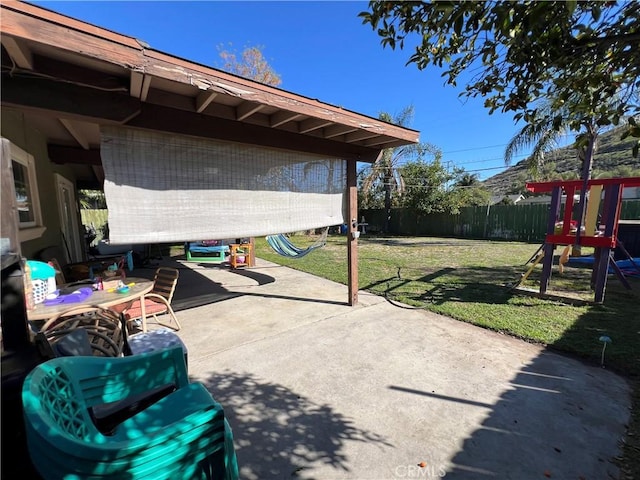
{"x": 471, "y": 281}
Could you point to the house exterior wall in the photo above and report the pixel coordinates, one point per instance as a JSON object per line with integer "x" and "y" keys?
{"x": 19, "y": 132}
{"x": 631, "y": 193}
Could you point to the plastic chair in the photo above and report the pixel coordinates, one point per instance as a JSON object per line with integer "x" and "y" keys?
{"x": 131, "y": 417}
{"x": 89, "y": 330}
{"x": 81, "y": 330}
{"x": 159, "y": 339}
{"x": 157, "y": 301}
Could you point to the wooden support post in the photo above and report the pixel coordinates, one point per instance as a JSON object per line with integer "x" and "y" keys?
{"x": 593, "y": 207}
{"x": 252, "y": 252}
{"x": 601, "y": 272}
{"x": 610, "y": 213}
{"x": 568, "y": 210}
{"x": 547, "y": 263}
{"x": 556, "y": 197}
{"x": 611, "y": 210}
{"x": 352, "y": 231}
{"x": 618, "y": 271}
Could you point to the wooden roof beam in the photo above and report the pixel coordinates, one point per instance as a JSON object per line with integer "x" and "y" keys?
{"x": 61, "y": 155}
{"x": 73, "y": 37}
{"x": 337, "y": 130}
{"x": 359, "y": 136}
{"x": 204, "y": 99}
{"x": 81, "y": 76}
{"x": 75, "y": 101}
{"x": 157, "y": 117}
{"x": 282, "y": 117}
{"x": 18, "y": 51}
{"x": 98, "y": 171}
{"x": 139, "y": 85}
{"x": 74, "y": 130}
{"x": 35, "y": 24}
{"x": 312, "y": 124}
{"x": 246, "y": 109}
{"x": 374, "y": 142}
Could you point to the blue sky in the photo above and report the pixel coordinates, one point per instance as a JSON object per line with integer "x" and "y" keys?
{"x": 321, "y": 50}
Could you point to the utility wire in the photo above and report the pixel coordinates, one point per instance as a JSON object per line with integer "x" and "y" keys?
{"x": 566, "y": 135}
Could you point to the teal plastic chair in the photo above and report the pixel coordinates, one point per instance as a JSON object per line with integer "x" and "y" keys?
{"x": 132, "y": 417}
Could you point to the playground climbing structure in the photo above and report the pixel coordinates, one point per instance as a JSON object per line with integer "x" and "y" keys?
{"x": 594, "y": 226}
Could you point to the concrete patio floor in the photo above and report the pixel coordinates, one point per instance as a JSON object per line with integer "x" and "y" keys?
{"x": 316, "y": 389}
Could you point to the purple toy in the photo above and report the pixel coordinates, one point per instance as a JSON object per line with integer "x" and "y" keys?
{"x": 78, "y": 296}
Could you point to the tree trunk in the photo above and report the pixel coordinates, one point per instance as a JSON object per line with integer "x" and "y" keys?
{"x": 585, "y": 175}
{"x": 387, "y": 202}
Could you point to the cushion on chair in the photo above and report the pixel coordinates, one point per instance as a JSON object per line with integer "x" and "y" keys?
{"x": 76, "y": 342}
{"x": 152, "y": 307}
{"x": 155, "y": 340}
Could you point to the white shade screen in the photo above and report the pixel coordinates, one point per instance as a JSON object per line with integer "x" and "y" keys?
{"x": 163, "y": 187}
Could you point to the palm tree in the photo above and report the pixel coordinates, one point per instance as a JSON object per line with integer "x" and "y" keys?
{"x": 543, "y": 134}
{"x": 468, "y": 179}
{"x": 385, "y": 170}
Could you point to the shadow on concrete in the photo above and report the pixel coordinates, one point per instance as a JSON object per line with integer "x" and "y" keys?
{"x": 298, "y": 299}
{"x": 195, "y": 289}
{"x": 514, "y": 441}
{"x": 277, "y": 433}
{"x": 537, "y": 428}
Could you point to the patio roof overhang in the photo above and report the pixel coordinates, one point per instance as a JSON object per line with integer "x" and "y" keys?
{"x": 68, "y": 77}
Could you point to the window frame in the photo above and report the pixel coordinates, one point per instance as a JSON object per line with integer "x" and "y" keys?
{"x": 34, "y": 228}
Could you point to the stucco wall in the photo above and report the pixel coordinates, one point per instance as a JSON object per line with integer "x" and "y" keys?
{"x": 20, "y": 132}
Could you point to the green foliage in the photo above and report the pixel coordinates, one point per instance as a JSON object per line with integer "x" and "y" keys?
{"x": 426, "y": 187}
{"x": 613, "y": 158}
{"x": 466, "y": 179}
{"x": 542, "y": 135}
{"x": 576, "y": 56}
{"x": 466, "y": 280}
{"x": 92, "y": 199}
{"x": 468, "y": 191}
{"x": 633, "y": 130}
{"x": 96, "y": 221}
{"x": 374, "y": 196}
{"x": 620, "y": 171}
{"x": 382, "y": 184}
{"x": 470, "y": 197}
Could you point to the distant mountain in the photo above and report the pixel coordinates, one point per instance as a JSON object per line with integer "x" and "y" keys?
{"x": 612, "y": 154}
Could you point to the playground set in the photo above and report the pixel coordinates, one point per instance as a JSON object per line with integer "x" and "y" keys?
{"x": 597, "y": 227}
{"x": 239, "y": 254}
{"x": 218, "y": 251}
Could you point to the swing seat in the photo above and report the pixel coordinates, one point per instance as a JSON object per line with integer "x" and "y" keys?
{"x": 283, "y": 246}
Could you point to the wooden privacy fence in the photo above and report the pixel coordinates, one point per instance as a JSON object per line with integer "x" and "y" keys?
{"x": 524, "y": 223}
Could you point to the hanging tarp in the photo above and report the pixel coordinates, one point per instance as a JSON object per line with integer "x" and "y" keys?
{"x": 163, "y": 187}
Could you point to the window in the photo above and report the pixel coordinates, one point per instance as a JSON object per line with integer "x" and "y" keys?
{"x": 26, "y": 191}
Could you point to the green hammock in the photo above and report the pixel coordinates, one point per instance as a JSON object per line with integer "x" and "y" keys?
{"x": 283, "y": 246}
